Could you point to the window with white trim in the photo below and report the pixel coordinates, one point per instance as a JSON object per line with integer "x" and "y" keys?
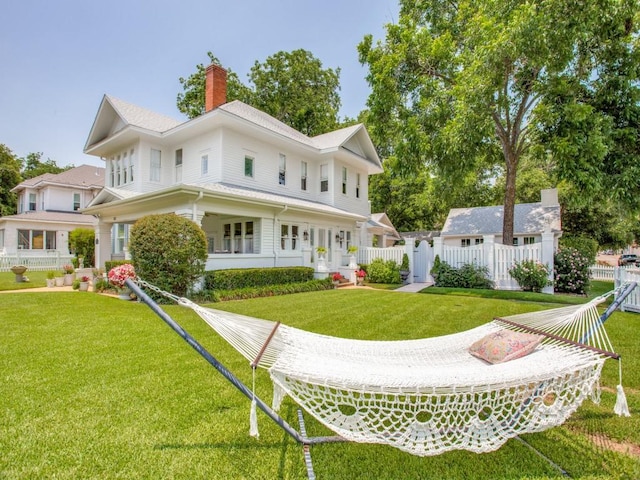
{"x": 529, "y": 240}
{"x": 156, "y": 165}
{"x": 240, "y": 236}
{"x": 282, "y": 170}
{"x": 465, "y": 242}
{"x": 515, "y": 241}
{"x": 204, "y": 164}
{"x": 20, "y": 203}
{"x": 324, "y": 177}
{"x": 357, "y": 185}
{"x": 36, "y": 240}
{"x": 1, "y": 237}
{"x": 178, "y": 165}
{"x": 344, "y": 180}
{"x": 32, "y": 202}
{"x": 119, "y": 237}
{"x": 289, "y": 237}
{"x": 248, "y": 166}
{"x": 76, "y": 202}
{"x": 303, "y": 176}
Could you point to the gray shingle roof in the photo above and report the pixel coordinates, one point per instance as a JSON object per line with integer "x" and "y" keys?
{"x": 142, "y": 117}
{"x": 529, "y": 218}
{"x": 84, "y": 176}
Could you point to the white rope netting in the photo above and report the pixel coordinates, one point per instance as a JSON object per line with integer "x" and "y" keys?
{"x": 431, "y": 395}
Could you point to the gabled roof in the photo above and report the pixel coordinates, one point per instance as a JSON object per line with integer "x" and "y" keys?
{"x": 116, "y": 118}
{"x": 82, "y": 177}
{"x": 380, "y": 223}
{"x": 529, "y": 218}
{"x": 114, "y": 115}
{"x": 111, "y": 194}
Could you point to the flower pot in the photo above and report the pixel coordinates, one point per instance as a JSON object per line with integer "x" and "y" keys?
{"x": 51, "y": 282}
{"x": 68, "y": 279}
{"x": 59, "y": 281}
{"x": 124, "y": 294}
{"x": 84, "y": 286}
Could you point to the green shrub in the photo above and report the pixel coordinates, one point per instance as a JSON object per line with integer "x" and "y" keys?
{"x": 168, "y": 251}
{"x": 237, "y": 278}
{"x": 571, "y": 271}
{"x": 82, "y": 241}
{"x": 531, "y": 275}
{"x": 265, "y": 291}
{"x": 467, "y": 276}
{"x": 588, "y": 247}
{"x": 109, "y": 264}
{"x": 380, "y": 271}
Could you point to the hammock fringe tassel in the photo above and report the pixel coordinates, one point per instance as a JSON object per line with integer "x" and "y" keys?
{"x": 621, "y": 407}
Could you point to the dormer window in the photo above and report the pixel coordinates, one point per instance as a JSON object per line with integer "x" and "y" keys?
{"x": 76, "y": 202}
{"x": 154, "y": 172}
{"x": 32, "y": 202}
{"x": 303, "y": 176}
{"x": 344, "y": 180}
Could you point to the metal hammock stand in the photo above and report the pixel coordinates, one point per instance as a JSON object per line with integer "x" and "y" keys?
{"x": 300, "y": 435}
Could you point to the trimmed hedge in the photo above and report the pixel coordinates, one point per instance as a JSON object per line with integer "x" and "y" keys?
{"x": 265, "y": 291}
{"x": 240, "y": 278}
{"x": 109, "y": 264}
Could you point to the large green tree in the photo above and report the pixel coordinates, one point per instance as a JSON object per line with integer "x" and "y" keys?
{"x": 291, "y": 86}
{"x": 33, "y": 166}
{"x": 461, "y": 82}
{"x": 9, "y": 178}
{"x": 191, "y": 101}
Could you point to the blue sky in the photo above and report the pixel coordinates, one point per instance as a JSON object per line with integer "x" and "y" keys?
{"x": 60, "y": 57}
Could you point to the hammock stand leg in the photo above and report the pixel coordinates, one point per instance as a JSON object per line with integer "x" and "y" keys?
{"x": 543, "y": 456}
{"x": 235, "y": 381}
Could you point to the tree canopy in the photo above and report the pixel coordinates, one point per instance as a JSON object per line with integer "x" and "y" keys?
{"x": 9, "y": 178}
{"x": 465, "y": 86}
{"x": 291, "y": 86}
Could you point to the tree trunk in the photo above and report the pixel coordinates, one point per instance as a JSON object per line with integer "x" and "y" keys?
{"x": 509, "y": 198}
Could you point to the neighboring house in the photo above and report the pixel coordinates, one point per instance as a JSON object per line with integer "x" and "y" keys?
{"x": 466, "y": 227}
{"x": 48, "y": 209}
{"x": 264, "y": 193}
{"x": 381, "y": 232}
{"x": 420, "y": 235}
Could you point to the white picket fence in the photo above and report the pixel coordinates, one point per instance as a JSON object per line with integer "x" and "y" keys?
{"x": 48, "y": 261}
{"x": 367, "y": 254}
{"x": 624, "y": 275}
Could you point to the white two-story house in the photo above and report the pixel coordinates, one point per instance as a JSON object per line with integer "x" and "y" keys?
{"x": 49, "y": 209}
{"x": 265, "y": 194}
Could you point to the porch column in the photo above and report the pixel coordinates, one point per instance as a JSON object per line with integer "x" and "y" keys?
{"x": 103, "y": 243}
{"x": 548, "y": 252}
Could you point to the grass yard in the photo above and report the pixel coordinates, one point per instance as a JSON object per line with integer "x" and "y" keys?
{"x": 94, "y": 387}
{"x": 36, "y": 279}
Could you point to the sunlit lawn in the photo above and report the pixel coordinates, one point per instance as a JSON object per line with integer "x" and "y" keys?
{"x": 95, "y": 387}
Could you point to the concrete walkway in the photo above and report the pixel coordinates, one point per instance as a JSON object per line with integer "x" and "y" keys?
{"x": 40, "y": 289}
{"x": 413, "y": 287}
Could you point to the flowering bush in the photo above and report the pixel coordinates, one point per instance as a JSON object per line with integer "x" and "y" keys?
{"x": 530, "y": 275}
{"x": 118, "y": 275}
{"x": 68, "y": 268}
{"x": 361, "y": 273}
{"x": 571, "y": 271}
{"x": 336, "y": 277}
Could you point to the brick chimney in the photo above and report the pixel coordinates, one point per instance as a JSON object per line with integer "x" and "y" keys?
{"x": 215, "y": 87}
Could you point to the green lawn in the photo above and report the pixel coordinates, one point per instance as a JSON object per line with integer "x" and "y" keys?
{"x": 36, "y": 279}
{"x": 94, "y": 387}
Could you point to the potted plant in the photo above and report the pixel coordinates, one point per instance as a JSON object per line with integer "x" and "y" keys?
{"x": 352, "y": 259}
{"x": 118, "y": 275}
{"x": 68, "y": 274}
{"x": 51, "y": 278}
{"x": 84, "y": 283}
{"x": 336, "y": 277}
{"x": 404, "y": 268}
{"x": 360, "y": 274}
{"x": 322, "y": 265}
{"x": 59, "y": 279}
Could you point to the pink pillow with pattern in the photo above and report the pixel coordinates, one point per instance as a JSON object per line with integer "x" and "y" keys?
{"x": 504, "y": 345}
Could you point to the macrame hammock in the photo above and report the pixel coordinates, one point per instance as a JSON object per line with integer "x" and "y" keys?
{"x": 433, "y": 395}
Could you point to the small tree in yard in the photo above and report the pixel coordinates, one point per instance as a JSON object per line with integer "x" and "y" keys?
{"x": 82, "y": 243}
{"x": 168, "y": 251}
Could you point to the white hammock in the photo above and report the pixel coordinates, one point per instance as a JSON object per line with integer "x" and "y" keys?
{"x": 431, "y": 395}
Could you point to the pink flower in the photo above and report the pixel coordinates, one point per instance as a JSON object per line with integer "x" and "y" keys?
{"x": 118, "y": 275}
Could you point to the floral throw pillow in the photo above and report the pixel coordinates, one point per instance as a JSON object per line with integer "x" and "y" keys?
{"x": 504, "y": 345}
